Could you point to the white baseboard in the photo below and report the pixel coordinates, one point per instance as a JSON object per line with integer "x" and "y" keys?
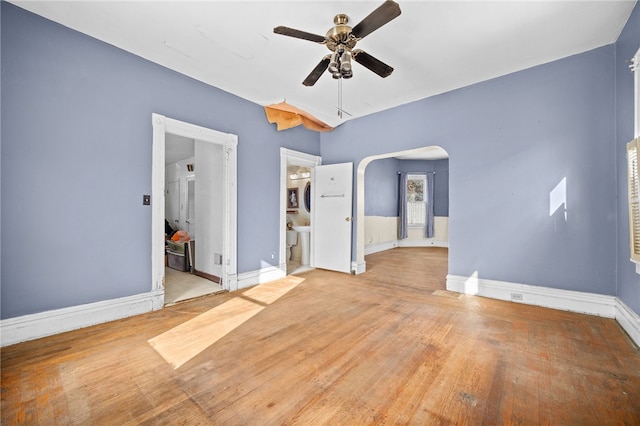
{"x": 422, "y": 243}
{"x": 271, "y": 273}
{"x": 358, "y": 267}
{"x": 388, "y": 245}
{"x": 42, "y": 324}
{"x": 628, "y": 320}
{"x": 375, "y": 248}
{"x": 232, "y": 282}
{"x": 34, "y": 326}
{"x": 565, "y": 300}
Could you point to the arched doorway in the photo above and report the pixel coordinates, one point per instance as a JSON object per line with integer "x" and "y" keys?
{"x": 425, "y": 153}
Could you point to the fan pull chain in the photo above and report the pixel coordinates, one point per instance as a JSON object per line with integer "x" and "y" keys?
{"x": 340, "y": 97}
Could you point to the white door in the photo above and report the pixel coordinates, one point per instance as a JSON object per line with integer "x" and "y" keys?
{"x": 208, "y": 206}
{"x": 331, "y": 217}
{"x": 172, "y": 204}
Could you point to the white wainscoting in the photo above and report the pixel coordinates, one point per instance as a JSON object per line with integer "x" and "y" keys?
{"x": 566, "y": 300}
{"x": 381, "y": 233}
{"x": 35, "y": 326}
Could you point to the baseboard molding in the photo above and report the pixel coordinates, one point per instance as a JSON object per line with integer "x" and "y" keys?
{"x": 42, "y": 324}
{"x": 271, "y": 273}
{"x": 423, "y": 243}
{"x": 566, "y": 300}
{"x": 388, "y": 245}
{"x": 376, "y": 248}
{"x": 34, "y": 326}
{"x": 358, "y": 267}
{"x": 628, "y": 320}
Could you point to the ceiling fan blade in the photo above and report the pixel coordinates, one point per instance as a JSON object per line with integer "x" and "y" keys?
{"x": 317, "y": 71}
{"x": 385, "y": 13}
{"x": 291, "y": 32}
{"x": 375, "y": 65}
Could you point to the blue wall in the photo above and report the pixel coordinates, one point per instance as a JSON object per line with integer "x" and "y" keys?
{"x": 381, "y": 188}
{"x": 628, "y": 282}
{"x": 440, "y": 181}
{"x": 511, "y": 141}
{"x": 76, "y": 160}
{"x": 381, "y": 185}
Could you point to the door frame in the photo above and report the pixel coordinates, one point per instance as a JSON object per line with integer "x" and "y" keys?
{"x": 291, "y": 157}
{"x": 229, "y": 142}
{"x": 360, "y": 266}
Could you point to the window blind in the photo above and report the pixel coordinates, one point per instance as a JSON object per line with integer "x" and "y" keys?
{"x": 634, "y": 198}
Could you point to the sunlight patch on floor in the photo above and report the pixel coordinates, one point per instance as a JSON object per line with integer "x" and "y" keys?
{"x": 270, "y": 292}
{"x": 183, "y": 342}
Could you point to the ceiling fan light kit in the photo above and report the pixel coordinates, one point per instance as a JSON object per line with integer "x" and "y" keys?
{"x": 341, "y": 40}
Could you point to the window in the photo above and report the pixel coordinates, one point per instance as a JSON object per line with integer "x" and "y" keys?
{"x": 632, "y": 170}
{"x": 635, "y": 67}
{"x": 634, "y": 200}
{"x": 416, "y": 200}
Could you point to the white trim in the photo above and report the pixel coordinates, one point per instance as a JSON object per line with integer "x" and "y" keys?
{"x": 358, "y": 267}
{"x": 423, "y": 243}
{"x": 628, "y": 320}
{"x": 378, "y": 247}
{"x": 157, "y": 201}
{"x": 287, "y": 157}
{"x": 388, "y": 245}
{"x": 249, "y": 279}
{"x": 359, "y": 185}
{"x": 229, "y": 142}
{"x": 635, "y": 67}
{"x": 35, "y": 326}
{"x": 354, "y": 267}
{"x": 565, "y": 300}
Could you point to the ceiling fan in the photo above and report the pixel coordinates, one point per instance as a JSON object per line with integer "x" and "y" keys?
{"x": 341, "y": 40}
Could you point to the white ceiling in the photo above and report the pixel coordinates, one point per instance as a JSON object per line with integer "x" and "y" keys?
{"x": 434, "y": 46}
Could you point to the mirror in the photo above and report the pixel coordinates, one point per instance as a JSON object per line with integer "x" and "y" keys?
{"x": 307, "y": 197}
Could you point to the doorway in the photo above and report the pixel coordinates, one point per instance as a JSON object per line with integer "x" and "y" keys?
{"x": 426, "y": 153}
{"x": 294, "y": 161}
{"x": 218, "y": 243}
{"x": 189, "y": 165}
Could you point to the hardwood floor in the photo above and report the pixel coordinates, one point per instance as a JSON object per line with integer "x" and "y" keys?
{"x": 331, "y": 348}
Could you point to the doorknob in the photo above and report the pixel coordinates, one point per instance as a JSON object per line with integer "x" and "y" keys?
{"x": 348, "y": 219}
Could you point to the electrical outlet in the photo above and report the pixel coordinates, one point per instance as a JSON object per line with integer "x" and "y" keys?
{"x": 146, "y": 200}
{"x": 516, "y": 296}
{"x": 273, "y": 255}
